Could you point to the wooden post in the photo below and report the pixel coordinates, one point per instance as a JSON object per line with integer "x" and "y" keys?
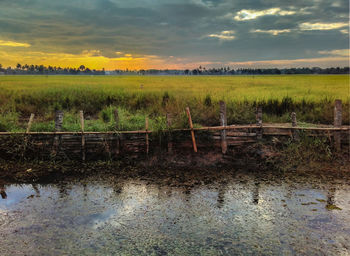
{"x": 58, "y": 128}
{"x": 31, "y": 118}
{"x": 191, "y": 126}
{"x": 295, "y": 133}
{"x": 294, "y": 119}
{"x": 337, "y": 124}
{"x": 147, "y": 142}
{"x": 58, "y": 120}
{"x": 259, "y": 131}
{"x": 118, "y": 145}
{"x": 116, "y": 118}
{"x": 223, "y": 122}
{"x": 168, "y": 123}
{"x": 82, "y": 125}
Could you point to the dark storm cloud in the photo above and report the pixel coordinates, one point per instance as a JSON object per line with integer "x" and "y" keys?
{"x": 193, "y": 29}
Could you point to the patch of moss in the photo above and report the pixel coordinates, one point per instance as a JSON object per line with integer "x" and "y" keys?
{"x": 331, "y": 207}
{"x": 309, "y": 203}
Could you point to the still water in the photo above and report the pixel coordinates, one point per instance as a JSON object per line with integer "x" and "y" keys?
{"x": 237, "y": 213}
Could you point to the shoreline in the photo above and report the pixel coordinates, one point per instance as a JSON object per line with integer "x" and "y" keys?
{"x": 256, "y": 158}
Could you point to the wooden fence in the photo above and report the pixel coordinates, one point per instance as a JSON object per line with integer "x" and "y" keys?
{"x": 221, "y": 136}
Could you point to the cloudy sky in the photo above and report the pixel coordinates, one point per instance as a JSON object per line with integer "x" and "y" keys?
{"x": 134, "y": 34}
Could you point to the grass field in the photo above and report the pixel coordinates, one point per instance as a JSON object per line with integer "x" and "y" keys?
{"x": 136, "y": 97}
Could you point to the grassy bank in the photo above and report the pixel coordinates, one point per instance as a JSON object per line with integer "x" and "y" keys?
{"x": 311, "y": 96}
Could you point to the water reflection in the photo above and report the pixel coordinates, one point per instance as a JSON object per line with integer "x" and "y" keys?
{"x": 221, "y": 196}
{"x": 256, "y": 192}
{"x": 247, "y": 213}
{"x": 2, "y": 191}
{"x": 36, "y": 189}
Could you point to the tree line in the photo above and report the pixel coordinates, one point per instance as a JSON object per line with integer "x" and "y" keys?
{"x": 82, "y": 70}
{"x": 48, "y": 70}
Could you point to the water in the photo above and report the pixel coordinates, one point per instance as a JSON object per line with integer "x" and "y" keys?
{"x": 230, "y": 213}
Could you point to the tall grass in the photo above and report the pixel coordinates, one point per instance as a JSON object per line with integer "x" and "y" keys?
{"x": 310, "y": 96}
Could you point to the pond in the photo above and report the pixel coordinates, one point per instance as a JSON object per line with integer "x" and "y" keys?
{"x": 236, "y": 213}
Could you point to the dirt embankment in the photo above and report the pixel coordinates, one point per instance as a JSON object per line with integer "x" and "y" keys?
{"x": 256, "y": 157}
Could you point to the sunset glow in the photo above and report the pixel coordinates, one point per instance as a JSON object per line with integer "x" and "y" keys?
{"x": 173, "y": 34}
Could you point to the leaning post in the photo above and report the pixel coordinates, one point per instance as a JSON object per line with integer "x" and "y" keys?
{"x": 223, "y": 123}
{"x": 259, "y": 132}
{"x": 191, "y": 127}
{"x": 82, "y": 125}
{"x": 31, "y": 118}
{"x": 337, "y": 123}
{"x": 30, "y": 122}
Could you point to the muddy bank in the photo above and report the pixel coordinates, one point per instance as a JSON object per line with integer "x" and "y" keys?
{"x": 46, "y": 171}
{"x": 282, "y": 155}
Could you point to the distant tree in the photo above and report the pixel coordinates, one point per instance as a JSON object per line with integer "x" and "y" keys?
{"x": 41, "y": 69}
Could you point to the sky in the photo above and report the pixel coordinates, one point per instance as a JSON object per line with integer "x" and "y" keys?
{"x": 175, "y": 34}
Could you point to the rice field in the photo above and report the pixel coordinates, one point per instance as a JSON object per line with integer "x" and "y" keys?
{"x": 136, "y": 97}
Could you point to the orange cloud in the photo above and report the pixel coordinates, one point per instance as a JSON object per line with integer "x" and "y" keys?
{"x": 13, "y": 44}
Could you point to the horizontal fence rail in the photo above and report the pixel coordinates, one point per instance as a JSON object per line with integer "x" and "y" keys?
{"x": 210, "y": 128}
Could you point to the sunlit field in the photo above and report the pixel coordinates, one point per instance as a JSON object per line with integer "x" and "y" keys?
{"x": 310, "y": 96}
{"x": 308, "y": 87}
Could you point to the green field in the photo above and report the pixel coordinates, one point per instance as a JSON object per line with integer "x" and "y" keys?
{"x": 136, "y": 97}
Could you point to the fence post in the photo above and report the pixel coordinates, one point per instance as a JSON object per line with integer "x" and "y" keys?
{"x": 294, "y": 119}
{"x": 169, "y": 123}
{"x": 58, "y": 120}
{"x": 82, "y": 125}
{"x": 31, "y": 118}
{"x": 58, "y": 128}
{"x": 259, "y": 132}
{"x": 191, "y": 127}
{"x": 337, "y": 124}
{"x": 116, "y": 118}
{"x": 223, "y": 122}
{"x": 295, "y": 134}
{"x": 147, "y": 142}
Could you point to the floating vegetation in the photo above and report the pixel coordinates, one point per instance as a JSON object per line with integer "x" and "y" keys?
{"x": 309, "y": 203}
{"x": 331, "y": 207}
